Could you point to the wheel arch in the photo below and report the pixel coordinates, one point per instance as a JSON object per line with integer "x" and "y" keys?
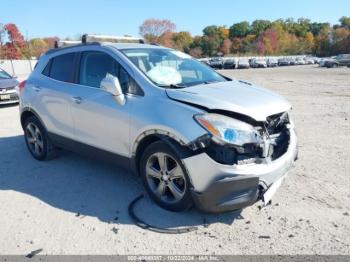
{"x": 28, "y": 112}
{"x": 149, "y": 137}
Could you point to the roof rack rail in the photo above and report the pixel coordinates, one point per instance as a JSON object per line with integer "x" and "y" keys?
{"x": 96, "y": 40}
{"x": 65, "y": 43}
{"x": 86, "y": 38}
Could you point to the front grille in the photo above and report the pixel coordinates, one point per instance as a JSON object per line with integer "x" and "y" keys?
{"x": 278, "y": 134}
{"x": 276, "y": 123}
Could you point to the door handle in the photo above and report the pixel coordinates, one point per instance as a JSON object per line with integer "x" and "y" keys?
{"x": 77, "y": 99}
{"x": 36, "y": 88}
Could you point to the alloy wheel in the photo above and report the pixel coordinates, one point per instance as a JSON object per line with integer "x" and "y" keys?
{"x": 165, "y": 178}
{"x": 34, "y": 139}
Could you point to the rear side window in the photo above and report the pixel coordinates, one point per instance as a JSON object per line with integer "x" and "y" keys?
{"x": 95, "y": 66}
{"x": 61, "y": 68}
{"x": 47, "y": 68}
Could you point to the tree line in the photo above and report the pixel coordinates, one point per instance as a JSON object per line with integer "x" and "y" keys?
{"x": 260, "y": 37}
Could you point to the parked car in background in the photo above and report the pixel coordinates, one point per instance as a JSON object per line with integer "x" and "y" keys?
{"x": 8, "y": 92}
{"x": 331, "y": 63}
{"x": 243, "y": 63}
{"x": 216, "y": 62}
{"x": 283, "y": 62}
{"x": 291, "y": 61}
{"x": 258, "y": 63}
{"x": 194, "y": 136}
{"x": 309, "y": 60}
{"x": 272, "y": 62}
{"x": 322, "y": 61}
{"x": 230, "y": 63}
{"x": 299, "y": 61}
{"x": 204, "y": 61}
{"x": 343, "y": 60}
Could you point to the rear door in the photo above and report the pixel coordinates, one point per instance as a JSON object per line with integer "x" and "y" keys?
{"x": 54, "y": 94}
{"x": 98, "y": 119}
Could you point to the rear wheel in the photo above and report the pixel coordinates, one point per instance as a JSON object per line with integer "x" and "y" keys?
{"x": 37, "y": 140}
{"x": 165, "y": 178}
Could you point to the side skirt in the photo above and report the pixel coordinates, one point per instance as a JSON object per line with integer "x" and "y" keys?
{"x": 90, "y": 151}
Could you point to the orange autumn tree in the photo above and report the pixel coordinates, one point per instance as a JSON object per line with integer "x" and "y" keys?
{"x": 152, "y": 30}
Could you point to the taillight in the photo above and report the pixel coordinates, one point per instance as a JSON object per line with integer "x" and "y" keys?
{"x": 22, "y": 85}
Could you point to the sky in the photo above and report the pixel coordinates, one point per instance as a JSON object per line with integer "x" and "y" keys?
{"x": 42, "y": 18}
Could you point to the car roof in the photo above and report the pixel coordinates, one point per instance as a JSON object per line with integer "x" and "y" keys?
{"x": 134, "y": 46}
{"x": 119, "y": 46}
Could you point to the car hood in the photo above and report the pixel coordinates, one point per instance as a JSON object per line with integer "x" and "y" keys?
{"x": 4, "y": 83}
{"x": 235, "y": 96}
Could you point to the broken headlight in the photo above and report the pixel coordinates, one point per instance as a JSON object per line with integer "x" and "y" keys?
{"x": 227, "y": 130}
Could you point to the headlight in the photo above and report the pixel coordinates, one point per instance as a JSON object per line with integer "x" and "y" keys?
{"x": 228, "y": 130}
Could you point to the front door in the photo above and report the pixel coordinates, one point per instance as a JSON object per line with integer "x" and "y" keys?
{"x": 99, "y": 120}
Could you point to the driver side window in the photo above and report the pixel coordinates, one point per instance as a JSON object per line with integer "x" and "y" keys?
{"x": 94, "y": 66}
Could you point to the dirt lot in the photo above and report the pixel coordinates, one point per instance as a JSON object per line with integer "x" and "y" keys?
{"x": 74, "y": 205}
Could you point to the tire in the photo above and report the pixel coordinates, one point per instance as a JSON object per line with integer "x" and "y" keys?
{"x": 334, "y": 65}
{"x": 160, "y": 184}
{"x": 37, "y": 140}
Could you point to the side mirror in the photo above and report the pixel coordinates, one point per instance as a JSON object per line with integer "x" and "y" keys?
{"x": 14, "y": 76}
{"x": 111, "y": 85}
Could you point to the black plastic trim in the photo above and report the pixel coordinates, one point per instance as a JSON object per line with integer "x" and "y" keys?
{"x": 228, "y": 194}
{"x": 90, "y": 151}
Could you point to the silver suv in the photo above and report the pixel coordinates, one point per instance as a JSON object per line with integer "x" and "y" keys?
{"x": 193, "y": 135}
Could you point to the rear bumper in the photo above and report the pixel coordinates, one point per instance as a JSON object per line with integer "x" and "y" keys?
{"x": 220, "y": 188}
{"x": 12, "y": 97}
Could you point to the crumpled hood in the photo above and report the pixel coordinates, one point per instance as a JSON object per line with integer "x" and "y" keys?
{"x": 4, "y": 83}
{"x": 235, "y": 96}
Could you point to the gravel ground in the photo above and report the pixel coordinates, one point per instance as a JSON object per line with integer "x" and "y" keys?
{"x": 75, "y": 205}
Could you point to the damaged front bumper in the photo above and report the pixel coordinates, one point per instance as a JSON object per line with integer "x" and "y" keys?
{"x": 220, "y": 188}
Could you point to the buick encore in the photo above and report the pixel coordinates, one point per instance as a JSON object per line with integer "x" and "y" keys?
{"x": 194, "y": 136}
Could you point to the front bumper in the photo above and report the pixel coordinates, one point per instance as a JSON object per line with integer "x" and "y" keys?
{"x": 220, "y": 188}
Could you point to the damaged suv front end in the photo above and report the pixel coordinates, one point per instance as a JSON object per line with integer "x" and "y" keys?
{"x": 240, "y": 163}
{"x": 248, "y": 149}
{"x": 235, "y": 141}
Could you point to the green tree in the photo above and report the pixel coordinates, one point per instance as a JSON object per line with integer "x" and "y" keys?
{"x": 210, "y": 44}
{"x": 241, "y": 29}
{"x": 322, "y": 42}
{"x": 301, "y": 27}
{"x": 345, "y": 22}
{"x": 259, "y": 26}
{"x": 316, "y": 28}
{"x": 182, "y": 41}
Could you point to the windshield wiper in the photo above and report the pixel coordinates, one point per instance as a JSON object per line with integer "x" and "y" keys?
{"x": 173, "y": 86}
{"x": 203, "y": 82}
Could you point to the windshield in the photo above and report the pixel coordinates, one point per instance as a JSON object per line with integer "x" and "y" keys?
{"x": 170, "y": 68}
{"x": 4, "y": 75}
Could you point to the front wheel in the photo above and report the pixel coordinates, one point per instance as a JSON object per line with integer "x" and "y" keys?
{"x": 165, "y": 178}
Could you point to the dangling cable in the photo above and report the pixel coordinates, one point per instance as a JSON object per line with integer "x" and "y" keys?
{"x": 144, "y": 225}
